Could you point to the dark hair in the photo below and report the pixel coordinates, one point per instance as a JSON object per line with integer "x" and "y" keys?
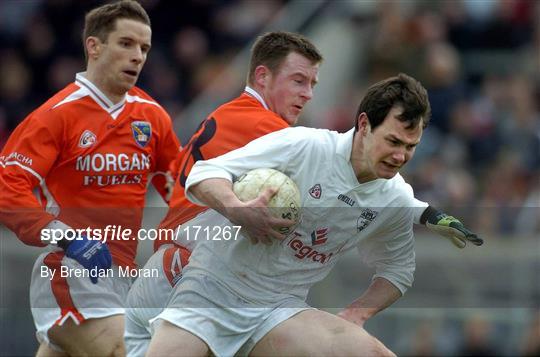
{"x": 271, "y": 49}
{"x": 101, "y": 21}
{"x": 400, "y": 90}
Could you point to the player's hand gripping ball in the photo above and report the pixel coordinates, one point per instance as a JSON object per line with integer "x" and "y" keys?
{"x": 284, "y": 204}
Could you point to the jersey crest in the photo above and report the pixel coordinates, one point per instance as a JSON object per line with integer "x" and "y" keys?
{"x": 142, "y": 132}
{"x": 366, "y": 217}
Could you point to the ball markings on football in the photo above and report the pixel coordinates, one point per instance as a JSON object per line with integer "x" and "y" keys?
{"x": 284, "y": 204}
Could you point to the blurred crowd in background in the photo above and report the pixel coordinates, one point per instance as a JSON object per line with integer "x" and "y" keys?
{"x": 41, "y": 49}
{"x": 479, "y": 60}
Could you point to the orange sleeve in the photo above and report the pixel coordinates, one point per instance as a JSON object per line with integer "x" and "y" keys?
{"x": 174, "y": 166}
{"x": 24, "y": 163}
{"x": 167, "y": 150}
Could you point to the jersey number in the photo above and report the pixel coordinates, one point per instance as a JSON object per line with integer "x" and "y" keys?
{"x": 194, "y": 147}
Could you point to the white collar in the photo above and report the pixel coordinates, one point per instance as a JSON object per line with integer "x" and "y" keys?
{"x": 252, "y": 92}
{"x": 99, "y": 97}
{"x": 345, "y": 143}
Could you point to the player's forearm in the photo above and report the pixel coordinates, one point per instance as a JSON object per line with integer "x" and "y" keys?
{"x": 216, "y": 193}
{"x": 26, "y": 223}
{"x": 380, "y": 294}
{"x": 20, "y": 211}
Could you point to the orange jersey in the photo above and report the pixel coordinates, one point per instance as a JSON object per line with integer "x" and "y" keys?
{"x": 90, "y": 162}
{"x": 229, "y": 127}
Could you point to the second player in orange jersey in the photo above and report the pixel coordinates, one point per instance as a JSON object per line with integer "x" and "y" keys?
{"x": 89, "y": 152}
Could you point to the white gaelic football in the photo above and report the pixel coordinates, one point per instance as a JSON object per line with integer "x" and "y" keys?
{"x": 285, "y": 203}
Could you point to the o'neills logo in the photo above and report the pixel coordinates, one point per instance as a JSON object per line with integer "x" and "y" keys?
{"x": 305, "y": 251}
{"x": 316, "y": 191}
{"x": 87, "y": 139}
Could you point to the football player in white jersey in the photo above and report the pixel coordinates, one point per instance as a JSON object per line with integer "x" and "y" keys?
{"x": 242, "y": 298}
{"x": 147, "y": 297}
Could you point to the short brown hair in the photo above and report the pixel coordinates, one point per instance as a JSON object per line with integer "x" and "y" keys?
{"x": 400, "y": 90}
{"x": 271, "y": 49}
{"x": 101, "y": 21}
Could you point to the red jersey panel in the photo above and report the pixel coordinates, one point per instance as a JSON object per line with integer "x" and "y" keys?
{"x": 90, "y": 160}
{"x": 229, "y": 127}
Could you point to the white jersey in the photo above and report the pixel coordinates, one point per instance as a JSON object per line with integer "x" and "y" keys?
{"x": 338, "y": 214}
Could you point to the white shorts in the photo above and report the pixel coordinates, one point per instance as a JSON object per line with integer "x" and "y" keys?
{"x": 228, "y": 324}
{"x": 149, "y": 296}
{"x": 56, "y": 298}
{"x": 136, "y": 336}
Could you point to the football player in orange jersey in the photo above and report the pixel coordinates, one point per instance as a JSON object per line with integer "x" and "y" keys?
{"x": 90, "y": 150}
{"x": 288, "y": 65}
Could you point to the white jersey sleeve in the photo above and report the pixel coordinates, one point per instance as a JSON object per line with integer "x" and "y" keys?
{"x": 392, "y": 253}
{"x": 274, "y": 150}
{"x": 391, "y": 249}
{"x": 418, "y": 207}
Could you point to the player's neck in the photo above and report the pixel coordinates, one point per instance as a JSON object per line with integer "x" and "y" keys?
{"x": 101, "y": 83}
{"x": 362, "y": 171}
{"x": 359, "y": 163}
